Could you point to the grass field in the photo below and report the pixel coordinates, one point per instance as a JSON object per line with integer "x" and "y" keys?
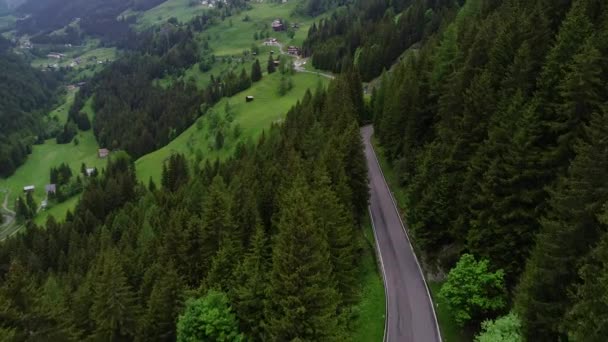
{"x": 234, "y": 35}
{"x": 253, "y": 118}
{"x": 58, "y": 211}
{"x": 179, "y": 9}
{"x": 369, "y": 325}
{"x": 7, "y": 22}
{"x": 90, "y": 54}
{"x": 35, "y": 171}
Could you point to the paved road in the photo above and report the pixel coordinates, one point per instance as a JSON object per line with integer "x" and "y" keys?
{"x": 411, "y": 317}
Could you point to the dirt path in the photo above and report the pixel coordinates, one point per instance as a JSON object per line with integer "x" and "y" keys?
{"x": 299, "y": 63}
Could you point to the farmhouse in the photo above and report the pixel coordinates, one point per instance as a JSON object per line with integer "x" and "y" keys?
{"x": 103, "y": 153}
{"x": 29, "y": 188}
{"x": 293, "y": 50}
{"x": 55, "y": 55}
{"x": 50, "y": 189}
{"x": 277, "y": 25}
{"x": 249, "y": 98}
{"x": 91, "y": 171}
{"x": 271, "y": 42}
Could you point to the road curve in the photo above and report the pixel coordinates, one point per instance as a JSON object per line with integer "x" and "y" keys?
{"x": 410, "y": 313}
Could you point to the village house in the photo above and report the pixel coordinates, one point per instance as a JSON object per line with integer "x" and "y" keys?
{"x": 249, "y": 98}
{"x": 50, "y": 189}
{"x": 293, "y": 50}
{"x": 29, "y": 188}
{"x": 271, "y": 42}
{"x": 103, "y": 153}
{"x": 90, "y": 171}
{"x": 277, "y": 25}
{"x": 55, "y": 55}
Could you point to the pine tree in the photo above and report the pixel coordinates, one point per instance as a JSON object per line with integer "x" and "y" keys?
{"x": 568, "y": 230}
{"x": 163, "y": 307}
{"x": 256, "y": 71}
{"x": 302, "y": 298}
{"x": 586, "y": 319}
{"x": 250, "y": 292}
{"x": 114, "y": 309}
{"x": 337, "y": 223}
{"x": 271, "y": 67}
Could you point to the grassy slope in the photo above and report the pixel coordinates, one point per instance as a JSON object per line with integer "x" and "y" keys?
{"x": 35, "y": 171}
{"x": 179, "y": 9}
{"x": 449, "y": 329}
{"x": 85, "y": 52}
{"x": 252, "y": 117}
{"x": 233, "y": 35}
{"x": 369, "y": 325}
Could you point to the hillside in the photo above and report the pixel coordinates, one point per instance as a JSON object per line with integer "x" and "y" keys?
{"x": 24, "y": 94}
{"x": 494, "y": 133}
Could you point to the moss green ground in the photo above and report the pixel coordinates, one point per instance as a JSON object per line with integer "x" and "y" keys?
{"x": 450, "y": 331}
{"x": 179, "y": 9}
{"x": 35, "y": 171}
{"x": 253, "y": 118}
{"x": 89, "y": 55}
{"x": 369, "y": 325}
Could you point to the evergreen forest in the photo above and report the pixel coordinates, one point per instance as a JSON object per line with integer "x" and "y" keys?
{"x": 491, "y": 114}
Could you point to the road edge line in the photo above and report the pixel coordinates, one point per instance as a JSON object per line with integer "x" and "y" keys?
{"x": 408, "y": 240}
{"x": 379, "y": 253}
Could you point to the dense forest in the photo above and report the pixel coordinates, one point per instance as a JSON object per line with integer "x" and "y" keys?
{"x": 497, "y": 128}
{"x": 94, "y": 17}
{"x": 25, "y": 94}
{"x": 373, "y": 34}
{"x": 136, "y": 114}
{"x": 270, "y": 239}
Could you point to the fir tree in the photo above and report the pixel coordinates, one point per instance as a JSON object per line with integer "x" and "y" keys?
{"x": 256, "y": 71}
{"x": 114, "y": 309}
{"x": 302, "y": 298}
{"x": 568, "y": 230}
{"x": 271, "y": 67}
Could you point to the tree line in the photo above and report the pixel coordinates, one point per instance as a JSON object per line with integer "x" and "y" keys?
{"x": 373, "y": 34}
{"x": 497, "y": 128}
{"x": 269, "y": 240}
{"x": 25, "y": 95}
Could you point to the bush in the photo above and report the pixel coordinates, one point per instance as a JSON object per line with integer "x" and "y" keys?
{"x": 472, "y": 291}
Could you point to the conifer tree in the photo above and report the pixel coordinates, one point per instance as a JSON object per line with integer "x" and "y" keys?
{"x": 302, "y": 298}
{"x": 271, "y": 67}
{"x": 337, "y": 223}
{"x": 256, "y": 71}
{"x": 163, "y": 307}
{"x": 250, "y": 292}
{"x": 114, "y": 309}
{"x": 569, "y": 228}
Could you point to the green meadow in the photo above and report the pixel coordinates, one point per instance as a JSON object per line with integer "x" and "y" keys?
{"x": 236, "y": 34}
{"x": 182, "y": 10}
{"x": 89, "y": 54}
{"x": 35, "y": 171}
{"x": 252, "y": 118}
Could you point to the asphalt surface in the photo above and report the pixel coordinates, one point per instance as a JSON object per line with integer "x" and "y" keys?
{"x": 411, "y": 317}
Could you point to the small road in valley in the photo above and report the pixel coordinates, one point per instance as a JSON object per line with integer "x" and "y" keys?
{"x": 410, "y": 313}
{"x": 299, "y": 63}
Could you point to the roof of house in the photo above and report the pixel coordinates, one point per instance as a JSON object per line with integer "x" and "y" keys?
{"x": 50, "y": 188}
{"x": 28, "y": 188}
